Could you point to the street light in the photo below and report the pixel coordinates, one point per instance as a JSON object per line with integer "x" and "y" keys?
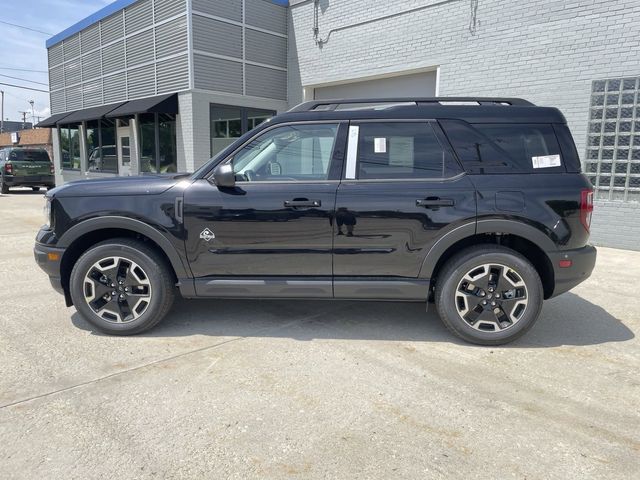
{"x": 33, "y": 114}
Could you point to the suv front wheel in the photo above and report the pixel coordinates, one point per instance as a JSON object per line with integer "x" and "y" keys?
{"x": 488, "y": 295}
{"x": 122, "y": 286}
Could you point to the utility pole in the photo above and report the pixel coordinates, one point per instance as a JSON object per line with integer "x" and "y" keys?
{"x": 33, "y": 114}
{"x": 2, "y": 111}
{"x": 24, "y": 118}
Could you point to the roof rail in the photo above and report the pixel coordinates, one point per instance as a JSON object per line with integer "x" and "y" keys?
{"x": 336, "y": 103}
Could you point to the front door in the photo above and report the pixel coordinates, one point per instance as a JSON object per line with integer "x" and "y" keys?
{"x": 403, "y": 189}
{"x": 124, "y": 151}
{"x": 271, "y": 234}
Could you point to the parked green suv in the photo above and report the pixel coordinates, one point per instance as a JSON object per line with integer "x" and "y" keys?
{"x": 25, "y": 167}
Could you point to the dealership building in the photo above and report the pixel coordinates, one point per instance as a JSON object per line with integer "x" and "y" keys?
{"x": 146, "y": 86}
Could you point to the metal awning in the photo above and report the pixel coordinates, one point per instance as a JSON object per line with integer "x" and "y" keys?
{"x": 53, "y": 120}
{"x": 160, "y": 104}
{"x": 93, "y": 113}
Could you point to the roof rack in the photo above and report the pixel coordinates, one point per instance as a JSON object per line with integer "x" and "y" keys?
{"x": 380, "y": 103}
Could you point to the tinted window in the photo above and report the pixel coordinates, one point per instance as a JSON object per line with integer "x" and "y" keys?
{"x": 25, "y": 155}
{"x": 288, "y": 153}
{"x": 526, "y": 146}
{"x": 504, "y": 148}
{"x": 402, "y": 150}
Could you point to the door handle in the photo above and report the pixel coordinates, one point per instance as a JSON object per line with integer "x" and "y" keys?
{"x": 302, "y": 203}
{"x": 430, "y": 202}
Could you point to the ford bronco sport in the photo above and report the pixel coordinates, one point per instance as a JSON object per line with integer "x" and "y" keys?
{"x": 25, "y": 167}
{"x": 476, "y": 204}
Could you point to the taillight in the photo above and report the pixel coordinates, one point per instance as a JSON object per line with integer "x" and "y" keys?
{"x": 586, "y": 208}
{"x": 8, "y": 168}
{"x": 52, "y": 170}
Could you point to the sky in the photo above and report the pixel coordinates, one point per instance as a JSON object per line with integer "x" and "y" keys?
{"x": 25, "y": 49}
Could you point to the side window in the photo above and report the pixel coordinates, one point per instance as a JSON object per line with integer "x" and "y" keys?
{"x": 530, "y": 147}
{"x": 400, "y": 150}
{"x": 288, "y": 153}
{"x": 505, "y": 148}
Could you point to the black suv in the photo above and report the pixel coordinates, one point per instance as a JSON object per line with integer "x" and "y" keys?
{"x": 475, "y": 204}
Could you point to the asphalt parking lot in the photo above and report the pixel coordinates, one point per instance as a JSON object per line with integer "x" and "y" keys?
{"x": 283, "y": 389}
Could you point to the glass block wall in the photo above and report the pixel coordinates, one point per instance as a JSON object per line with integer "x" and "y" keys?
{"x": 612, "y": 161}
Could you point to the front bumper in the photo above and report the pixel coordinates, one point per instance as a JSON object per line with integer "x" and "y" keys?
{"x": 49, "y": 259}
{"x": 583, "y": 260}
{"x": 29, "y": 180}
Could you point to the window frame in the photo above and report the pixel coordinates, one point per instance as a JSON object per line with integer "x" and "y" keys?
{"x": 336, "y": 162}
{"x": 68, "y": 128}
{"x": 440, "y": 137}
{"x": 244, "y": 120}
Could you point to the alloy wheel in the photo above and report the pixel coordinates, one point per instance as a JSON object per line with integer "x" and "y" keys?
{"x": 117, "y": 289}
{"x": 491, "y": 297}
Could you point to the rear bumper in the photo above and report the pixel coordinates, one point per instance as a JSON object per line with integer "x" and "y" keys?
{"x": 583, "y": 260}
{"x": 29, "y": 180}
{"x": 49, "y": 260}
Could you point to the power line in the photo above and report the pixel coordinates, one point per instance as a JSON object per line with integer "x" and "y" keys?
{"x": 25, "y": 28}
{"x": 26, "y": 88}
{"x": 23, "y": 70}
{"x": 23, "y": 79}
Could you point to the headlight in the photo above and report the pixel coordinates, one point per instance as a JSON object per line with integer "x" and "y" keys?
{"x": 46, "y": 211}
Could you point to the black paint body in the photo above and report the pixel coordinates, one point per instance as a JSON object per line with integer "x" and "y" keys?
{"x": 362, "y": 239}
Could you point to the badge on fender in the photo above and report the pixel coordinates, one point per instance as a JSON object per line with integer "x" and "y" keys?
{"x": 207, "y": 235}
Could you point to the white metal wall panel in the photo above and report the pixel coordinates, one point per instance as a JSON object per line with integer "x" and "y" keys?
{"x": 113, "y": 58}
{"x": 173, "y": 74}
{"x": 266, "y": 82}
{"x": 56, "y": 77}
{"x": 91, "y": 65}
{"x": 58, "y": 103}
{"x": 266, "y": 48}
{"x": 138, "y": 16}
{"x": 71, "y": 47}
{"x": 112, "y": 28}
{"x": 74, "y": 98}
{"x": 413, "y": 85}
{"x": 92, "y": 93}
{"x": 231, "y": 9}
{"x": 140, "y": 48}
{"x": 141, "y": 82}
{"x": 171, "y": 38}
{"x": 217, "y": 74}
{"x": 55, "y": 55}
{"x": 90, "y": 38}
{"x": 72, "y": 72}
{"x": 169, "y": 8}
{"x": 114, "y": 88}
{"x": 212, "y": 36}
{"x": 266, "y": 15}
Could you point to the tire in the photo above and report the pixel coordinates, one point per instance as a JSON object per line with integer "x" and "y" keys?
{"x": 147, "y": 278}
{"x": 3, "y": 186}
{"x": 488, "y": 273}
{"x": 35, "y": 189}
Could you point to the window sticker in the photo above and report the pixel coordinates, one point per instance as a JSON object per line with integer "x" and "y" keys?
{"x": 401, "y": 151}
{"x": 546, "y": 161}
{"x": 379, "y": 145}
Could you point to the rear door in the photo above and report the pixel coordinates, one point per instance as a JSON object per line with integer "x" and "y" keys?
{"x": 32, "y": 164}
{"x": 402, "y": 190}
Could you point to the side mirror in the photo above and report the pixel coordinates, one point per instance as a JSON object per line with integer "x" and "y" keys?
{"x": 223, "y": 176}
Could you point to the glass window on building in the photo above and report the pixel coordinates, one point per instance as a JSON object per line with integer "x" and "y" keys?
{"x": 228, "y": 123}
{"x": 613, "y": 147}
{"x": 158, "y": 151}
{"x": 70, "y": 147}
{"x": 101, "y": 146}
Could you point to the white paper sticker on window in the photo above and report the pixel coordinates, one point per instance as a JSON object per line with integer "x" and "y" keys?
{"x": 380, "y": 145}
{"x": 546, "y": 161}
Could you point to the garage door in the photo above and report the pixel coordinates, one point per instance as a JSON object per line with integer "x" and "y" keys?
{"x": 414, "y": 85}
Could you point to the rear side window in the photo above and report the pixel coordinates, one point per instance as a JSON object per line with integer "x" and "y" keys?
{"x": 29, "y": 155}
{"x": 402, "y": 150}
{"x": 505, "y": 148}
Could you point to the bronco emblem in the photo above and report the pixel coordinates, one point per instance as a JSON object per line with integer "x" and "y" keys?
{"x": 207, "y": 235}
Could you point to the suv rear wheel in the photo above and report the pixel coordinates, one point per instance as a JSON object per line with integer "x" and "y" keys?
{"x": 122, "y": 287}
{"x": 489, "y": 295}
{"x": 3, "y": 186}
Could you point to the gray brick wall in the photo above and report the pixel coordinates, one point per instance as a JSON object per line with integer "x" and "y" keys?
{"x": 547, "y": 51}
